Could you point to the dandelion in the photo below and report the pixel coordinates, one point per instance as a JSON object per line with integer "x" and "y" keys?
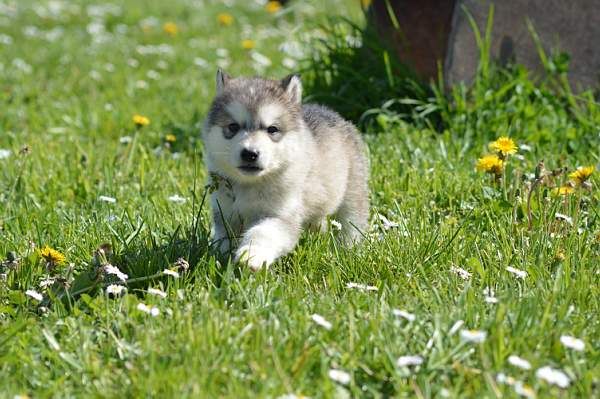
{"x": 473, "y": 336}
{"x": 504, "y": 146}
{"x": 404, "y": 314}
{"x": 157, "y": 292}
{"x": 52, "y": 256}
{"x": 110, "y": 200}
{"x": 406, "y": 361}
{"x": 519, "y": 362}
{"x": 572, "y": 343}
{"x": 339, "y": 376}
{"x": 490, "y": 164}
{"x": 517, "y": 272}
{"x": 320, "y": 320}
{"x": 582, "y": 174}
{"x": 553, "y": 376}
{"x": 110, "y": 269}
{"x": 140, "y": 120}
{"x": 273, "y": 6}
{"x": 361, "y": 287}
{"x": 151, "y": 310}
{"x": 225, "y": 19}
{"x": 171, "y": 273}
{"x": 170, "y": 138}
{"x": 34, "y": 294}
{"x": 5, "y": 153}
{"x": 170, "y": 28}
{"x": 563, "y": 190}
{"x": 248, "y": 44}
{"x": 115, "y": 289}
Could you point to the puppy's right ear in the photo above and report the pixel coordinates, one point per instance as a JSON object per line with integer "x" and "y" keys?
{"x": 222, "y": 80}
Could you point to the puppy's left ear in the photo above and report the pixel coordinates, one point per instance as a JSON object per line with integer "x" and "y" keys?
{"x": 293, "y": 87}
{"x": 222, "y": 80}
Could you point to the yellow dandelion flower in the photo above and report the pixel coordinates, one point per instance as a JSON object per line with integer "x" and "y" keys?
{"x": 140, "y": 120}
{"x": 490, "y": 164}
{"x": 248, "y": 44}
{"x": 170, "y": 28}
{"x": 273, "y": 6}
{"x": 581, "y": 174}
{"x": 171, "y": 138}
{"x": 504, "y": 146}
{"x": 225, "y": 19}
{"x": 563, "y": 190}
{"x": 52, "y": 256}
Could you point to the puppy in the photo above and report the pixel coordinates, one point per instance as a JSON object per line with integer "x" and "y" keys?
{"x": 278, "y": 166}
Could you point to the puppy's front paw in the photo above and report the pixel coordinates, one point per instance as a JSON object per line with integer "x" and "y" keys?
{"x": 254, "y": 256}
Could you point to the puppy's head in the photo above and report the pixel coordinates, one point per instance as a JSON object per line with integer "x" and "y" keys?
{"x": 252, "y": 126}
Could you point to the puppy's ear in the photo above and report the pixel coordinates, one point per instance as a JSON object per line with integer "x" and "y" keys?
{"x": 293, "y": 87}
{"x": 222, "y": 80}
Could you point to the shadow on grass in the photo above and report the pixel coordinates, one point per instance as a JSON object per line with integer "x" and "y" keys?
{"x": 352, "y": 71}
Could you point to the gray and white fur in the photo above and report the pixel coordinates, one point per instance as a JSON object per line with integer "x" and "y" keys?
{"x": 278, "y": 166}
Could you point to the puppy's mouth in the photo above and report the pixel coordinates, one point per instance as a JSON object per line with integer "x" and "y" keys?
{"x": 250, "y": 169}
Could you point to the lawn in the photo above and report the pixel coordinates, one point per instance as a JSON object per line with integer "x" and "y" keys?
{"x": 470, "y": 283}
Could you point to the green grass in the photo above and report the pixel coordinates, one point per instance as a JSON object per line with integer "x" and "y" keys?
{"x": 225, "y": 332}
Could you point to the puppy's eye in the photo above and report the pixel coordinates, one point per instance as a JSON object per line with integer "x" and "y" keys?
{"x": 272, "y": 129}
{"x": 233, "y": 127}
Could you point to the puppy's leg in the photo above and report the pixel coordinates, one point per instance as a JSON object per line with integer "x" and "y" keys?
{"x": 266, "y": 241}
{"x": 353, "y": 213}
{"x": 219, "y": 235}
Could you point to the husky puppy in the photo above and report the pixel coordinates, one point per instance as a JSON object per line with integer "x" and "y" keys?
{"x": 278, "y": 166}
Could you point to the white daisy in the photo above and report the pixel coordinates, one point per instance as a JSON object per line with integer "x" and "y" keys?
{"x": 34, "y": 294}
{"x": 5, "y": 153}
{"x": 157, "y": 292}
{"x": 340, "y": 376}
{"x": 566, "y": 218}
{"x": 177, "y": 199}
{"x": 519, "y": 362}
{"x": 505, "y": 379}
{"x": 404, "y": 314}
{"x": 110, "y": 269}
{"x": 108, "y": 199}
{"x": 572, "y": 343}
{"x": 412, "y": 360}
{"x": 320, "y": 320}
{"x": 151, "y": 310}
{"x": 171, "y": 273}
{"x": 386, "y": 223}
{"x": 553, "y": 376}
{"x": 455, "y": 327}
{"x": 361, "y": 287}
{"x": 335, "y": 224}
{"x": 474, "y": 336}
{"x": 524, "y": 390}
{"x": 115, "y": 289}
{"x": 462, "y": 273}
{"x": 517, "y": 272}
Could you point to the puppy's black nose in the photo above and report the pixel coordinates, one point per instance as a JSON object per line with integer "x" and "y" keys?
{"x": 249, "y": 155}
